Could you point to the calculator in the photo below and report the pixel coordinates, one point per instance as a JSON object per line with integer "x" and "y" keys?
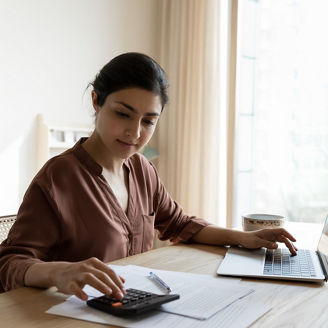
{"x": 134, "y": 302}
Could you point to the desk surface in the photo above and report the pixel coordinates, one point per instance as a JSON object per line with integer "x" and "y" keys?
{"x": 293, "y": 304}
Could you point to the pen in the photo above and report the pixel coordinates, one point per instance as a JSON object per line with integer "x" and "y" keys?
{"x": 159, "y": 281}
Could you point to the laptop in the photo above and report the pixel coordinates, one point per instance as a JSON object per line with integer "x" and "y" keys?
{"x": 307, "y": 265}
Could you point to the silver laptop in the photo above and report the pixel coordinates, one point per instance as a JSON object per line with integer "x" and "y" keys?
{"x": 307, "y": 265}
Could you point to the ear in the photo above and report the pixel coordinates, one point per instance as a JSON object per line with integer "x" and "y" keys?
{"x": 94, "y": 98}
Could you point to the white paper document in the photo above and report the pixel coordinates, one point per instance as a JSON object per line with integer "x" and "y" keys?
{"x": 205, "y": 301}
{"x": 201, "y": 296}
{"x": 240, "y": 314}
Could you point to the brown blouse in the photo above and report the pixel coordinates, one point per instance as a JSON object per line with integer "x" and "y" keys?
{"x": 69, "y": 213}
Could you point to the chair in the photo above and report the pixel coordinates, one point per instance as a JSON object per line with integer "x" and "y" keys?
{"x": 5, "y": 224}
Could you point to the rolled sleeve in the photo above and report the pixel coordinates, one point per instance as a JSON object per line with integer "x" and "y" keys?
{"x": 193, "y": 226}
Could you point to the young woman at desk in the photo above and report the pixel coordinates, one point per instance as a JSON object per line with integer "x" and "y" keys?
{"x": 101, "y": 200}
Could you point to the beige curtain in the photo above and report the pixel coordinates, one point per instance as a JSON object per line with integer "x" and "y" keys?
{"x": 194, "y": 129}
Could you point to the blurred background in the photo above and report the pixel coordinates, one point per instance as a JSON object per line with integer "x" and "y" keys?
{"x": 245, "y": 128}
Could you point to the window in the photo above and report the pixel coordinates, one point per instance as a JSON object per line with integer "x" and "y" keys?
{"x": 281, "y": 150}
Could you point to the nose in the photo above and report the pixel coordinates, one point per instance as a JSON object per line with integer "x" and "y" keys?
{"x": 134, "y": 130}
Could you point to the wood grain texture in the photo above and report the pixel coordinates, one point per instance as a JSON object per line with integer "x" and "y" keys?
{"x": 293, "y": 304}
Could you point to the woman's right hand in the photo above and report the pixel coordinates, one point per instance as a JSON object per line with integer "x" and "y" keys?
{"x": 71, "y": 277}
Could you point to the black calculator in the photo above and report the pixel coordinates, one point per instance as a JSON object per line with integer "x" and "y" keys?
{"x": 134, "y": 302}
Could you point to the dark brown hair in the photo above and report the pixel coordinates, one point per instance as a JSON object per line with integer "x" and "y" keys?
{"x": 131, "y": 69}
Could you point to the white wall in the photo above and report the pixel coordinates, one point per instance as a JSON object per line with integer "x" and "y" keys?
{"x": 49, "y": 51}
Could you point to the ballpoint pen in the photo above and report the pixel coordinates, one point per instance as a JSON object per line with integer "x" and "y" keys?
{"x": 159, "y": 281}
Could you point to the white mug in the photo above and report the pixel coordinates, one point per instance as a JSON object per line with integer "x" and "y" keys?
{"x": 253, "y": 222}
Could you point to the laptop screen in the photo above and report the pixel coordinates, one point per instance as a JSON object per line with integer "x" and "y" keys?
{"x": 323, "y": 242}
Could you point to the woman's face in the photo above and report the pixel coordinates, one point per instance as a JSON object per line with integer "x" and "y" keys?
{"x": 127, "y": 120}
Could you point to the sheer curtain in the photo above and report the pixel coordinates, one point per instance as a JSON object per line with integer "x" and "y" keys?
{"x": 192, "y": 137}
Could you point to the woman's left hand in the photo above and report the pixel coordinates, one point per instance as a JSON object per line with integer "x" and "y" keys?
{"x": 268, "y": 238}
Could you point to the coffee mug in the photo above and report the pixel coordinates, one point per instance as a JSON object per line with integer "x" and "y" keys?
{"x": 253, "y": 222}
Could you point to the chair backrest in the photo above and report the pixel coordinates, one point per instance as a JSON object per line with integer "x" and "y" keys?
{"x": 5, "y": 224}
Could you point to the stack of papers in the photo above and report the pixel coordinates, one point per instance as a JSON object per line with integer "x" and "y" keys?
{"x": 205, "y": 301}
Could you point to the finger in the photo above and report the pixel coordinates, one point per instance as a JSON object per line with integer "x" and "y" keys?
{"x": 92, "y": 280}
{"x": 293, "y": 249}
{"x": 116, "y": 278}
{"x": 106, "y": 279}
{"x": 289, "y": 245}
{"x": 111, "y": 273}
{"x": 78, "y": 292}
{"x": 287, "y": 234}
{"x": 123, "y": 281}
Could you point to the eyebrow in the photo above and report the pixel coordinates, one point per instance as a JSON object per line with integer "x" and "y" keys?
{"x": 134, "y": 110}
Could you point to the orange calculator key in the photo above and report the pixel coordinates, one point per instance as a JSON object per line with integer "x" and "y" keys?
{"x": 117, "y": 304}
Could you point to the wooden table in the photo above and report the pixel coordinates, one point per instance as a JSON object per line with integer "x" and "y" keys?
{"x": 293, "y": 304}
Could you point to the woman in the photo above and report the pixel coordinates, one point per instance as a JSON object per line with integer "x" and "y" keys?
{"x": 101, "y": 200}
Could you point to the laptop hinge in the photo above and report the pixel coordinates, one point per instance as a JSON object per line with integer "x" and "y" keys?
{"x": 324, "y": 263}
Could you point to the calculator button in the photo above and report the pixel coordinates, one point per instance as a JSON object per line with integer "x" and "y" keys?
{"x": 103, "y": 300}
{"x": 117, "y": 304}
{"x": 134, "y": 302}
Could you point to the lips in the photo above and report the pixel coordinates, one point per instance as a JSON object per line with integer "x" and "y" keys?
{"x": 125, "y": 143}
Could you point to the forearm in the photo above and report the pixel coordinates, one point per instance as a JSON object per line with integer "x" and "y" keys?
{"x": 42, "y": 274}
{"x": 268, "y": 238}
{"x": 214, "y": 235}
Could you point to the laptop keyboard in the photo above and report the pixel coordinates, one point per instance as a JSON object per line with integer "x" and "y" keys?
{"x": 279, "y": 262}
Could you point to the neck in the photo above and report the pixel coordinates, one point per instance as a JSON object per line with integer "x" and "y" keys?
{"x": 97, "y": 150}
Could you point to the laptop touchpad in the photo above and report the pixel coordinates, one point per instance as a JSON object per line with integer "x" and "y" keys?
{"x": 241, "y": 261}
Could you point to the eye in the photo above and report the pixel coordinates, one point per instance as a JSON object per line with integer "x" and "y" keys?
{"x": 148, "y": 122}
{"x": 121, "y": 114}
